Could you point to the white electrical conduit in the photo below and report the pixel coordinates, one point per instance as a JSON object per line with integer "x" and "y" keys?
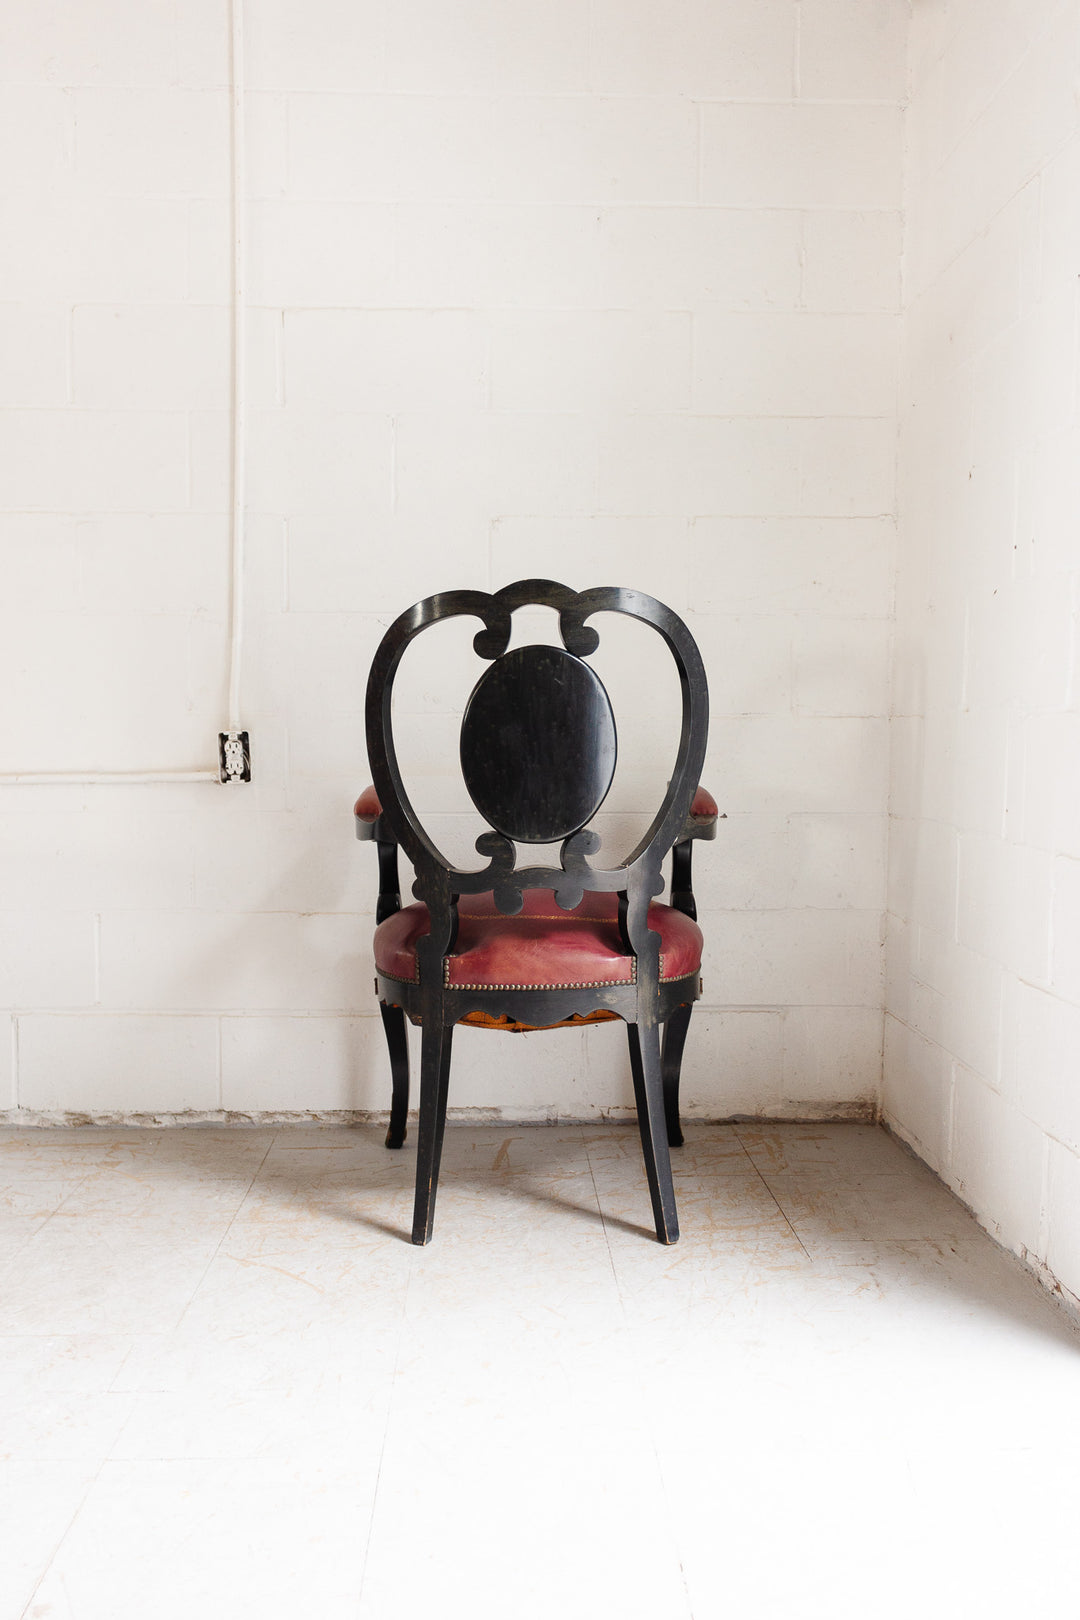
{"x": 236, "y": 535}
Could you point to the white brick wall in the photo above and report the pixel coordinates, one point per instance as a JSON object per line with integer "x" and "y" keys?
{"x": 612, "y": 299}
{"x": 983, "y": 995}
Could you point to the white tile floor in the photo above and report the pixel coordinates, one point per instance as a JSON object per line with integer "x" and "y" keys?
{"x": 230, "y": 1388}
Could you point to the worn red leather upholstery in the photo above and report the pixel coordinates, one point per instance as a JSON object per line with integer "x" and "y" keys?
{"x": 367, "y": 806}
{"x": 543, "y": 947}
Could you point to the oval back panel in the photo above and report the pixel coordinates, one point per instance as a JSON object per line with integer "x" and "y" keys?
{"x": 538, "y": 744}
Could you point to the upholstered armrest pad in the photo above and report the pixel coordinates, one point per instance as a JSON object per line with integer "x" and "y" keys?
{"x": 701, "y": 822}
{"x": 703, "y": 808}
{"x": 367, "y": 811}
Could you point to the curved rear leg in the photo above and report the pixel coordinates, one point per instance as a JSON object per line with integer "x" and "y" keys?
{"x": 398, "y": 1044}
{"x": 671, "y": 1064}
{"x": 648, "y": 1092}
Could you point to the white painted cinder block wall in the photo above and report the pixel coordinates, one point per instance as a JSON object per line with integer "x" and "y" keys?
{"x": 607, "y": 293}
{"x": 983, "y": 1027}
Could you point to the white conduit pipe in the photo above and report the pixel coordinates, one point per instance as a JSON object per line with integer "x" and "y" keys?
{"x": 239, "y": 369}
{"x": 239, "y": 470}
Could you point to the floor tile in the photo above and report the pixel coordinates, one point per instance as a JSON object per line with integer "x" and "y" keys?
{"x": 263, "y": 1540}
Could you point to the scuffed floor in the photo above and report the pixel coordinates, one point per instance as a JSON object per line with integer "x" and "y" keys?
{"x": 230, "y": 1388}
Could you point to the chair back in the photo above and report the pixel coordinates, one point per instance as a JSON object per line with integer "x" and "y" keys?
{"x": 538, "y": 754}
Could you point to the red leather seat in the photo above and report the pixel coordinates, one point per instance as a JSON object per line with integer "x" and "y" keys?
{"x": 542, "y": 947}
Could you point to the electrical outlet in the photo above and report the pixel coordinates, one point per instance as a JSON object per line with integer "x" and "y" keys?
{"x": 235, "y": 755}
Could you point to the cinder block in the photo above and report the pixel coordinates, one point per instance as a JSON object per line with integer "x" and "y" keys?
{"x": 776, "y": 156}
{"x": 1051, "y": 781}
{"x": 590, "y": 360}
{"x": 853, "y": 50}
{"x": 392, "y": 148}
{"x": 78, "y": 461}
{"x": 917, "y": 1092}
{"x": 37, "y": 121}
{"x": 851, "y": 260}
{"x": 126, "y": 43}
{"x": 1039, "y": 1045}
{"x": 496, "y": 254}
{"x": 701, "y": 50}
{"x": 116, "y": 697}
{"x": 643, "y": 553}
{"x": 1065, "y": 928}
{"x": 94, "y": 248}
{"x": 165, "y": 142}
{"x": 97, "y": 1062}
{"x": 812, "y": 566}
{"x": 361, "y": 562}
{"x": 78, "y": 861}
{"x": 309, "y": 254}
{"x": 923, "y": 874}
{"x": 699, "y": 464}
{"x": 208, "y": 961}
{"x": 785, "y": 958}
{"x": 842, "y": 668}
{"x": 7, "y": 1061}
{"x": 960, "y": 1001}
{"x": 301, "y": 1064}
{"x": 848, "y": 467}
{"x": 39, "y": 561}
{"x": 831, "y": 1055}
{"x": 748, "y": 662}
{"x": 749, "y": 867}
{"x": 319, "y": 45}
{"x": 1003, "y": 904}
{"x": 574, "y": 149}
{"x": 1063, "y": 1216}
{"x": 732, "y": 1064}
{"x": 165, "y": 563}
{"x": 693, "y": 258}
{"x": 795, "y": 363}
{"x": 301, "y": 665}
{"x": 480, "y": 465}
{"x": 838, "y": 861}
{"x": 537, "y": 1076}
{"x": 46, "y": 959}
{"x": 997, "y": 1160}
{"x": 982, "y": 756}
{"x": 289, "y": 861}
{"x": 385, "y": 360}
{"x": 146, "y": 357}
{"x": 303, "y": 460}
{"x": 507, "y": 47}
{"x": 784, "y": 763}
{"x": 266, "y": 143}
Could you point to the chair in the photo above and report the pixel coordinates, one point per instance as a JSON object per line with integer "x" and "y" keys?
{"x": 538, "y": 947}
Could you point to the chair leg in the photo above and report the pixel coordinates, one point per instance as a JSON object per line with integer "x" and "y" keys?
{"x": 649, "y": 1093}
{"x": 398, "y": 1044}
{"x": 434, "y": 1086}
{"x": 671, "y": 1063}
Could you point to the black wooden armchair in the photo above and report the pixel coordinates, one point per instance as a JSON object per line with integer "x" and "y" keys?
{"x": 538, "y": 947}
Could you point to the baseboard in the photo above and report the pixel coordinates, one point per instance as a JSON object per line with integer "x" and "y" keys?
{"x": 862, "y": 1112}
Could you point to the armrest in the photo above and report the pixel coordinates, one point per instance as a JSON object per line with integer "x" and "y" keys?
{"x": 366, "y": 813}
{"x": 701, "y": 822}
